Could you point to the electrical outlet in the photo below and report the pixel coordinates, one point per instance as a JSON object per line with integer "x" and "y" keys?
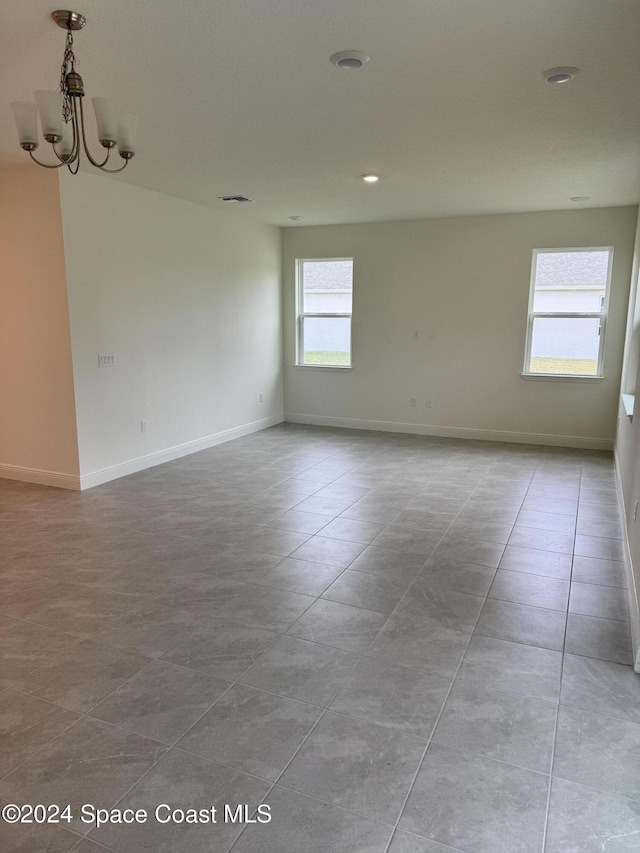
{"x": 429, "y": 403}
{"x": 261, "y": 397}
{"x": 412, "y": 402}
{"x": 144, "y": 426}
{"x": 635, "y": 512}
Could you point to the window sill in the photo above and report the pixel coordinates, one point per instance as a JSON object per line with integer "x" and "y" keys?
{"x": 550, "y": 377}
{"x": 323, "y": 366}
{"x": 628, "y": 401}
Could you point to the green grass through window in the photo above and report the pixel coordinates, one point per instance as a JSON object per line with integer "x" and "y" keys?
{"x": 567, "y": 366}
{"x": 324, "y": 357}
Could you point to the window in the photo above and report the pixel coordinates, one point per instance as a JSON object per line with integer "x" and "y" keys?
{"x": 324, "y": 300}
{"x": 567, "y": 312}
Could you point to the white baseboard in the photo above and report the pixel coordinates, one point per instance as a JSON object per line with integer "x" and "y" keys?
{"x": 132, "y": 466}
{"x": 114, "y": 472}
{"x": 42, "y": 478}
{"x": 634, "y": 601}
{"x": 455, "y": 432}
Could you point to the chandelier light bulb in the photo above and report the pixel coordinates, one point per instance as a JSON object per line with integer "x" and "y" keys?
{"x": 127, "y": 135}
{"x": 107, "y": 115}
{"x": 25, "y": 116}
{"x": 50, "y": 111}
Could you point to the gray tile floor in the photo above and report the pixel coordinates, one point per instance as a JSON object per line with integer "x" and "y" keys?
{"x": 401, "y": 644}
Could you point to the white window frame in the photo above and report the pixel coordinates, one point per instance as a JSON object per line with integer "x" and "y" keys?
{"x": 301, "y": 316}
{"x": 534, "y": 315}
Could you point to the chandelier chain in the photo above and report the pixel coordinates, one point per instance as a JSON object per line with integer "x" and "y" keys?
{"x": 68, "y": 64}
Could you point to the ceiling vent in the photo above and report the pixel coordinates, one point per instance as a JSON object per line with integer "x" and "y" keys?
{"x": 238, "y": 199}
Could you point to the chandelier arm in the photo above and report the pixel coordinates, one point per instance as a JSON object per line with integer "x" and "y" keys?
{"x": 113, "y": 171}
{"x": 84, "y": 139}
{"x": 75, "y": 148}
{"x": 46, "y": 165}
{"x": 74, "y": 171}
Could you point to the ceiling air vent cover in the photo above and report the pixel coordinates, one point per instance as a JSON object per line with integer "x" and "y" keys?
{"x": 234, "y": 198}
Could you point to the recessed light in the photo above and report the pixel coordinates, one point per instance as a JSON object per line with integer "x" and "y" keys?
{"x": 580, "y": 198}
{"x": 349, "y": 59}
{"x": 560, "y": 75}
{"x": 234, "y": 199}
{"x": 295, "y": 218}
{"x": 370, "y": 179}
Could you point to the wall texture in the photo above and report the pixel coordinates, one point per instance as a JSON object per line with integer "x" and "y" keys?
{"x": 189, "y": 300}
{"x": 37, "y": 412}
{"x": 461, "y": 284}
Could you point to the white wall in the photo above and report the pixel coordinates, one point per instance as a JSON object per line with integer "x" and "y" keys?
{"x": 189, "y": 300}
{"x": 628, "y": 447}
{"x": 37, "y": 414}
{"x": 628, "y": 466}
{"x": 463, "y": 284}
{"x": 626, "y": 434}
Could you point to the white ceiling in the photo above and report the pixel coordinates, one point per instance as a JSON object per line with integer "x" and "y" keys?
{"x": 239, "y": 96}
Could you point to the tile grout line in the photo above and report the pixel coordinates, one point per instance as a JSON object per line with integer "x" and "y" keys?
{"x": 555, "y": 729}
{"x": 430, "y": 740}
{"x": 81, "y": 716}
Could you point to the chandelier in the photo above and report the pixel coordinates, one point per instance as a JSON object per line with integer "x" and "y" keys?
{"x": 62, "y": 115}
